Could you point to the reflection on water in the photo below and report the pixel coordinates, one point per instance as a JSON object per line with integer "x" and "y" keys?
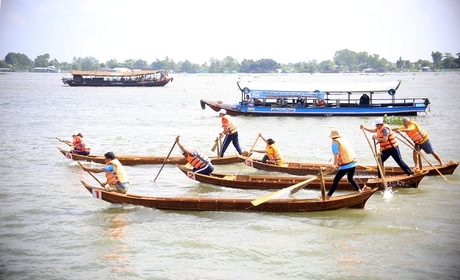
{"x": 116, "y": 255}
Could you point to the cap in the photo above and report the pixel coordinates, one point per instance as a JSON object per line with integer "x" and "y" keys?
{"x": 270, "y": 141}
{"x": 334, "y": 134}
{"x": 75, "y": 133}
{"x": 223, "y": 111}
{"x": 378, "y": 121}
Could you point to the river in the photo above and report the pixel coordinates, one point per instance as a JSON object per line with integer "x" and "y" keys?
{"x": 51, "y": 227}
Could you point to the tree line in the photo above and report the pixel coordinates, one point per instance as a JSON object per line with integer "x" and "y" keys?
{"x": 343, "y": 61}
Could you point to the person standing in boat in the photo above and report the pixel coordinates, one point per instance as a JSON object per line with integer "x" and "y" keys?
{"x": 344, "y": 161}
{"x": 117, "y": 178}
{"x": 79, "y": 145}
{"x": 419, "y": 137}
{"x": 201, "y": 164}
{"x": 388, "y": 144}
{"x": 273, "y": 155}
{"x": 230, "y": 131}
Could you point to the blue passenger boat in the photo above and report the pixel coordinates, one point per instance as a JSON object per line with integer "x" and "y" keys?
{"x": 365, "y": 99}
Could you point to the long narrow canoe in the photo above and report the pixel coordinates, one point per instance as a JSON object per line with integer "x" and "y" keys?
{"x": 138, "y": 159}
{"x": 266, "y": 182}
{"x": 297, "y": 168}
{"x": 355, "y": 200}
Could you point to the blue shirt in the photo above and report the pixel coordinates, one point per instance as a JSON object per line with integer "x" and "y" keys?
{"x": 111, "y": 169}
{"x": 335, "y": 150}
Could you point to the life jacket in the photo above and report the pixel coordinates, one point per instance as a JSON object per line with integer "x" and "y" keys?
{"x": 274, "y": 155}
{"x": 228, "y": 125}
{"x": 198, "y": 161}
{"x": 418, "y": 135}
{"x": 118, "y": 175}
{"x": 391, "y": 141}
{"x": 80, "y": 144}
{"x": 346, "y": 153}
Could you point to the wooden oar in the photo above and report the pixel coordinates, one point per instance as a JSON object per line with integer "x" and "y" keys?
{"x": 293, "y": 189}
{"x": 67, "y": 142}
{"x": 92, "y": 175}
{"x": 165, "y": 160}
{"x": 323, "y": 187}
{"x": 403, "y": 139}
{"x": 216, "y": 143}
{"x": 245, "y": 158}
{"x": 377, "y": 160}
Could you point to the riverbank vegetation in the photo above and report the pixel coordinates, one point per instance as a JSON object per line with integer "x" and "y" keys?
{"x": 343, "y": 61}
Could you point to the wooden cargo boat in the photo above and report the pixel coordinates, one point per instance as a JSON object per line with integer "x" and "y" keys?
{"x": 144, "y": 78}
{"x": 355, "y": 200}
{"x": 139, "y": 159}
{"x": 302, "y": 169}
{"x": 283, "y": 99}
{"x": 267, "y": 182}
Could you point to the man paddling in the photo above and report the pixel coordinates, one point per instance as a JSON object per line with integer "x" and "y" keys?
{"x": 230, "y": 131}
{"x": 419, "y": 137}
{"x": 344, "y": 160}
{"x": 117, "y": 179}
{"x": 388, "y": 144}
{"x": 201, "y": 164}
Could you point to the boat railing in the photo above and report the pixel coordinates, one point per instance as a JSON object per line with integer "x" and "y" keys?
{"x": 338, "y": 102}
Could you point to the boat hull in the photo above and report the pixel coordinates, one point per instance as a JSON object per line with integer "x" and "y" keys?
{"x": 355, "y": 201}
{"x": 302, "y": 169}
{"x": 138, "y": 159}
{"x": 96, "y": 83}
{"x": 270, "y": 182}
{"x": 241, "y": 110}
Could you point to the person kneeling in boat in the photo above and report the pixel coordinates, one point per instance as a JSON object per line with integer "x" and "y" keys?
{"x": 420, "y": 138}
{"x": 117, "y": 179}
{"x": 273, "y": 155}
{"x": 344, "y": 161}
{"x": 79, "y": 145}
{"x": 201, "y": 164}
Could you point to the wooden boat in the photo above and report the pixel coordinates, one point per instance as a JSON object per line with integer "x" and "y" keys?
{"x": 271, "y": 99}
{"x": 355, "y": 200}
{"x": 266, "y": 182}
{"x": 144, "y": 78}
{"x": 139, "y": 159}
{"x": 301, "y": 169}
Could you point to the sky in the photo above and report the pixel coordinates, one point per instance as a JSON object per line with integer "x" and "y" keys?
{"x": 200, "y": 30}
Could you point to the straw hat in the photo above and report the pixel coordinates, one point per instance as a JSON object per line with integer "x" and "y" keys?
{"x": 334, "y": 134}
{"x": 223, "y": 111}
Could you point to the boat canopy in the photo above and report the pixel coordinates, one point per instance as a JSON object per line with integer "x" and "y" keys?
{"x": 267, "y": 94}
{"x": 308, "y": 88}
{"x": 112, "y": 74}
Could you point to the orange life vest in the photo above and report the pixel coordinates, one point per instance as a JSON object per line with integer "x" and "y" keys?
{"x": 391, "y": 141}
{"x": 228, "y": 125}
{"x": 118, "y": 175}
{"x": 346, "y": 153}
{"x": 274, "y": 155}
{"x": 197, "y": 161}
{"x": 80, "y": 144}
{"x": 418, "y": 135}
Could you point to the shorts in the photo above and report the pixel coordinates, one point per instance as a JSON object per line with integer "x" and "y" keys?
{"x": 116, "y": 188}
{"x": 425, "y": 146}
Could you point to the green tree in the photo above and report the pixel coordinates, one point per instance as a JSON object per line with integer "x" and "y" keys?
{"x": 346, "y": 60}
{"x": 141, "y": 64}
{"x": 437, "y": 58}
{"x": 449, "y": 61}
{"x": 129, "y": 63}
{"x": 326, "y": 66}
{"x": 19, "y": 61}
{"x": 113, "y": 63}
{"x": 215, "y": 66}
{"x": 230, "y": 64}
{"x": 42, "y": 60}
